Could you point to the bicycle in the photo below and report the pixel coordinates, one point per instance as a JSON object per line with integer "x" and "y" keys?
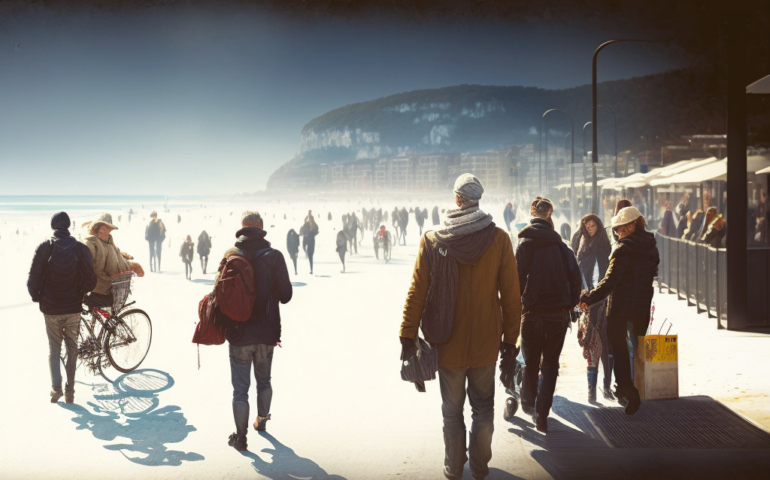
{"x": 120, "y": 338}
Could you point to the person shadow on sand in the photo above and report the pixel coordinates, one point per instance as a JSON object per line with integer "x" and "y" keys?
{"x": 285, "y": 464}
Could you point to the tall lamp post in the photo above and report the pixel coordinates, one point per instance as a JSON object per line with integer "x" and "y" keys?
{"x": 595, "y": 153}
{"x": 585, "y": 156}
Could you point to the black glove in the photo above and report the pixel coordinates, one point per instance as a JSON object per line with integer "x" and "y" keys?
{"x": 408, "y": 348}
{"x": 508, "y": 354}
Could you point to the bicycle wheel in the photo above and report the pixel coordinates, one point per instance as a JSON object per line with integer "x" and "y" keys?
{"x": 127, "y": 345}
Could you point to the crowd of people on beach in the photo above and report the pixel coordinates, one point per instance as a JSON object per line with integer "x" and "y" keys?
{"x": 474, "y": 297}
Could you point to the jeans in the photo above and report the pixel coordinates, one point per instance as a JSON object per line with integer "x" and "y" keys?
{"x": 481, "y": 393}
{"x": 241, "y": 359}
{"x": 188, "y": 270}
{"x": 155, "y": 249}
{"x": 204, "y": 262}
{"x": 617, "y": 332}
{"x": 62, "y": 327}
{"x": 542, "y": 335}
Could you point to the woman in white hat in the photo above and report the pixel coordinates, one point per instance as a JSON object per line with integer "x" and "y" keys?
{"x": 628, "y": 287}
{"x": 108, "y": 259}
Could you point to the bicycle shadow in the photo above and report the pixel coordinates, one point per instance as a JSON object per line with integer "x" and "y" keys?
{"x": 285, "y": 464}
{"x": 128, "y": 408}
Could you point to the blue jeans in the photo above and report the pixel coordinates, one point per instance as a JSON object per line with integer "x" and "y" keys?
{"x": 62, "y": 327}
{"x": 542, "y": 336}
{"x": 481, "y": 393}
{"x": 241, "y": 359}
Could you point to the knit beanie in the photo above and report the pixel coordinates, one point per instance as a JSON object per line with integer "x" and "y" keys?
{"x": 60, "y": 221}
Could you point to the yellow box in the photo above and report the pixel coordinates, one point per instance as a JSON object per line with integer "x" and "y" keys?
{"x": 656, "y": 367}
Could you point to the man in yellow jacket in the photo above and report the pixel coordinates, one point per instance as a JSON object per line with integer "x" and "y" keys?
{"x": 465, "y": 298}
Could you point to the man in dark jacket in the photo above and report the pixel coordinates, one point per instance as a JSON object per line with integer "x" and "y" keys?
{"x": 253, "y": 341}
{"x": 62, "y": 272}
{"x": 549, "y": 280}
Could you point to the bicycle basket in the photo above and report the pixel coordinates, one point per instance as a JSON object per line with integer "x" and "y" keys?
{"x": 121, "y": 288}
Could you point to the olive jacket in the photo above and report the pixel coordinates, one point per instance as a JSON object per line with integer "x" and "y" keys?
{"x": 107, "y": 262}
{"x": 487, "y": 307}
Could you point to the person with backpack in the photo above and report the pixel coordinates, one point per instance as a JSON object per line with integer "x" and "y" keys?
{"x": 155, "y": 233}
{"x": 465, "y": 298}
{"x": 292, "y": 246}
{"x": 252, "y": 341}
{"x": 549, "y": 281}
{"x": 186, "y": 252}
{"x": 62, "y": 273}
{"x": 342, "y": 247}
{"x": 204, "y": 249}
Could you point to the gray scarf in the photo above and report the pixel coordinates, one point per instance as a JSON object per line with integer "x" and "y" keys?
{"x": 467, "y": 235}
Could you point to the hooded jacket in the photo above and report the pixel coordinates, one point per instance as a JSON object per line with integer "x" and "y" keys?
{"x": 549, "y": 277}
{"x": 107, "y": 262}
{"x": 264, "y": 325}
{"x": 204, "y": 244}
{"x": 628, "y": 281}
{"x": 292, "y": 243}
{"x": 60, "y": 288}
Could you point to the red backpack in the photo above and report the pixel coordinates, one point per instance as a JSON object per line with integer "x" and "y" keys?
{"x": 210, "y": 329}
{"x": 234, "y": 290}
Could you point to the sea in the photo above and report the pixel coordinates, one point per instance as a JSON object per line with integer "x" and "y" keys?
{"x": 12, "y": 205}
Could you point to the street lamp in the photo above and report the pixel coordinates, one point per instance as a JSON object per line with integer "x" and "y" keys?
{"x": 595, "y": 154}
{"x": 585, "y": 157}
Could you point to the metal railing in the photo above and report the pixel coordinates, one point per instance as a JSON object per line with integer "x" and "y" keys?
{"x": 697, "y": 273}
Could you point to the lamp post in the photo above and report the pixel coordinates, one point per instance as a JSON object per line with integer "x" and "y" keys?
{"x": 595, "y": 153}
{"x": 540, "y": 153}
{"x": 571, "y": 179}
{"x": 585, "y": 157}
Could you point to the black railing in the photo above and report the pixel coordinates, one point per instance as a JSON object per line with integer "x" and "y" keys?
{"x": 698, "y": 273}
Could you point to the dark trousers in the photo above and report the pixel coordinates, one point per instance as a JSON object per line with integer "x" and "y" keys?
{"x": 188, "y": 270}
{"x": 542, "y": 335}
{"x": 342, "y": 258}
{"x": 204, "y": 262}
{"x": 241, "y": 359}
{"x": 481, "y": 393}
{"x": 294, "y": 260}
{"x": 156, "y": 246}
{"x": 617, "y": 330}
{"x": 62, "y": 328}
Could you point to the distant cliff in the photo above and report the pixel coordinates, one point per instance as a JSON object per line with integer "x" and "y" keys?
{"x": 474, "y": 118}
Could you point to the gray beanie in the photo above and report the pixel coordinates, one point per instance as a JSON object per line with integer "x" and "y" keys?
{"x": 469, "y": 186}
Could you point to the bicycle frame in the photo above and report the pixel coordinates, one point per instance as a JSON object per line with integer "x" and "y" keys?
{"x": 95, "y": 315}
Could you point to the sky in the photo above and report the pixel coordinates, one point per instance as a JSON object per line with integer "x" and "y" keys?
{"x": 186, "y": 100}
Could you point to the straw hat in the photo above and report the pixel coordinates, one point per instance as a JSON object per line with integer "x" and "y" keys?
{"x": 101, "y": 219}
{"x": 625, "y": 216}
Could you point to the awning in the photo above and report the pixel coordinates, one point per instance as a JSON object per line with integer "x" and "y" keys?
{"x": 764, "y": 170}
{"x": 760, "y": 87}
{"x": 665, "y": 178}
{"x": 714, "y": 171}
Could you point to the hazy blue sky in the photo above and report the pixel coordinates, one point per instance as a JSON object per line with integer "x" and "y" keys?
{"x": 169, "y": 100}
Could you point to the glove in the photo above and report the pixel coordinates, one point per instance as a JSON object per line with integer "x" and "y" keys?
{"x": 508, "y": 354}
{"x": 408, "y": 348}
{"x": 136, "y": 268}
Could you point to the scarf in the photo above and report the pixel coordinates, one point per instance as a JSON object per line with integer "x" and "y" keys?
{"x": 467, "y": 235}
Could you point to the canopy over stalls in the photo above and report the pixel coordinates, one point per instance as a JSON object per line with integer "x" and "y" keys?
{"x": 760, "y": 87}
{"x": 764, "y": 170}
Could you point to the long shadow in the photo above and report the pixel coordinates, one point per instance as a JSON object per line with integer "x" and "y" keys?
{"x": 284, "y": 464}
{"x": 298, "y": 284}
{"x": 204, "y": 281}
{"x": 128, "y": 408}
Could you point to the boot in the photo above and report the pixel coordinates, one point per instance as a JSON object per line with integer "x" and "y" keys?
{"x": 593, "y": 374}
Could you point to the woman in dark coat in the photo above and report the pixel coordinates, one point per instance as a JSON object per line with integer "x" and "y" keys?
{"x": 592, "y": 249}
{"x": 204, "y": 249}
{"x": 309, "y": 230}
{"x": 292, "y": 247}
{"x": 627, "y": 285}
{"x": 342, "y": 247}
{"x": 436, "y": 219}
{"x": 186, "y": 252}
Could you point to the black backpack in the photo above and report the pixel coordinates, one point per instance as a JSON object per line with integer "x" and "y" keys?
{"x": 62, "y": 263}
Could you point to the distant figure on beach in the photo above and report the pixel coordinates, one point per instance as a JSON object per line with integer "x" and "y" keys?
{"x": 62, "y": 272}
{"x": 403, "y": 221}
{"x": 395, "y": 221}
{"x": 186, "y": 252}
{"x": 309, "y": 231}
{"x": 252, "y": 342}
{"x": 329, "y": 217}
{"x": 292, "y": 246}
{"x": 342, "y": 247}
{"x": 419, "y": 218}
{"x": 204, "y": 248}
{"x": 155, "y": 233}
{"x": 436, "y": 219}
{"x": 351, "y": 231}
{"x": 508, "y": 216}
{"x": 108, "y": 259}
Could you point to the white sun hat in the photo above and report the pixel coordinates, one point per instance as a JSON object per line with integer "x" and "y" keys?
{"x": 625, "y": 216}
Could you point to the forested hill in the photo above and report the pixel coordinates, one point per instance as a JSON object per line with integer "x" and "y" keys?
{"x": 469, "y": 118}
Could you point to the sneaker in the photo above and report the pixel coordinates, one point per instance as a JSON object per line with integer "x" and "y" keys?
{"x": 260, "y": 424}
{"x": 237, "y": 443}
{"x": 56, "y": 395}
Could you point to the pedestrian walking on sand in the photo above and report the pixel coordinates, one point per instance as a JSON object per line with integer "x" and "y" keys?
{"x": 465, "y": 297}
{"x": 62, "y": 273}
{"x": 419, "y": 218}
{"x": 545, "y": 262}
{"x": 342, "y": 247}
{"x": 252, "y": 342}
{"x": 204, "y": 249}
{"x": 155, "y": 233}
{"x": 592, "y": 249}
{"x": 186, "y": 252}
{"x": 436, "y": 219}
{"x": 628, "y": 287}
{"x": 309, "y": 231}
{"x": 403, "y": 221}
{"x": 292, "y": 246}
